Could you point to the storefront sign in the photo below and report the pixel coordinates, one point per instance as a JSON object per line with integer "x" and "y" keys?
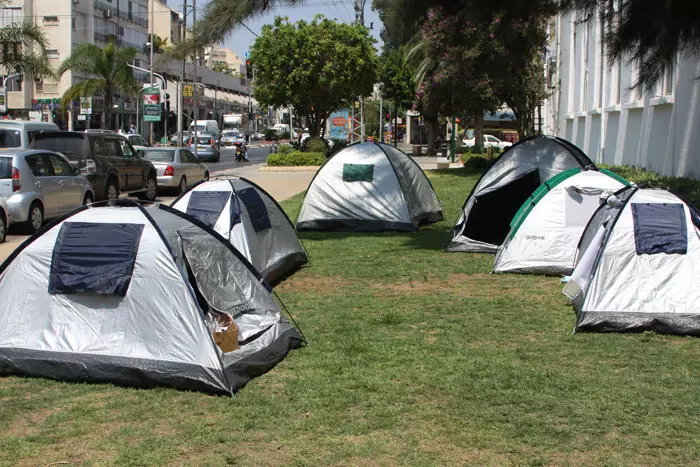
{"x": 151, "y": 104}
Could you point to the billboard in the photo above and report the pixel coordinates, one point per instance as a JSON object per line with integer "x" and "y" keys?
{"x": 340, "y": 124}
{"x": 151, "y": 104}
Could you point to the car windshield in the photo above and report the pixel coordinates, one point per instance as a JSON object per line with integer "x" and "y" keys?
{"x": 160, "y": 155}
{"x": 70, "y": 147}
{"x": 231, "y": 133}
{"x": 10, "y": 139}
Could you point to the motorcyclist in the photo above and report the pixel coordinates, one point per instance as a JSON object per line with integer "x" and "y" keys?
{"x": 241, "y": 152}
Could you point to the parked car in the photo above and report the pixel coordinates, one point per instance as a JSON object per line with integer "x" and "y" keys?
{"x": 20, "y": 133}
{"x": 177, "y": 168}
{"x": 108, "y": 161}
{"x": 206, "y": 148}
{"x": 206, "y": 126}
{"x": 137, "y": 141}
{"x": 39, "y": 185}
{"x": 489, "y": 141}
{"x": 4, "y": 222}
{"x": 257, "y": 137}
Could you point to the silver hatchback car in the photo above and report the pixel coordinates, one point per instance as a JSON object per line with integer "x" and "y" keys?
{"x": 39, "y": 185}
{"x": 177, "y": 168}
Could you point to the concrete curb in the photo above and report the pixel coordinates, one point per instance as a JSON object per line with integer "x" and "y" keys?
{"x": 292, "y": 168}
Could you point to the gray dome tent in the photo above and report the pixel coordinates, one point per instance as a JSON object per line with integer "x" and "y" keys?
{"x": 369, "y": 187}
{"x": 251, "y": 220}
{"x": 506, "y": 185}
{"x": 137, "y": 315}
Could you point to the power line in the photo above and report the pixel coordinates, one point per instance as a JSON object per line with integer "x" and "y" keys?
{"x": 250, "y": 30}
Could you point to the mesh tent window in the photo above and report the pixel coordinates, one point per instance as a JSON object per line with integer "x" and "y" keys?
{"x": 358, "y": 172}
{"x": 207, "y": 206}
{"x": 659, "y": 228}
{"x": 256, "y": 208}
{"x": 94, "y": 258}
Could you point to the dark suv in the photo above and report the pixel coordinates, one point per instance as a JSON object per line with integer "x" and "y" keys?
{"x": 108, "y": 161}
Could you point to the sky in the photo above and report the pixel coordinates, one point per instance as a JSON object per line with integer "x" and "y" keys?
{"x": 241, "y": 39}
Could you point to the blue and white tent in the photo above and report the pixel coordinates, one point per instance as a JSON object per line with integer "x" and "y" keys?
{"x": 251, "y": 220}
{"x": 637, "y": 265}
{"x": 122, "y": 293}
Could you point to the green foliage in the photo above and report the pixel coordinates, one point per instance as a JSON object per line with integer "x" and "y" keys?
{"x": 284, "y": 135}
{"x": 296, "y": 158}
{"x": 396, "y": 76}
{"x": 285, "y": 149}
{"x": 338, "y": 145}
{"x": 271, "y": 134}
{"x": 686, "y": 187}
{"x": 24, "y": 47}
{"x": 315, "y": 144}
{"x": 109, "y": 73}
{"x": 476, "y": 161}
{"x": 316, "y": 67}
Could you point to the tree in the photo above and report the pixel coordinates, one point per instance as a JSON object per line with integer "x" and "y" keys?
{"x": 160, "y": 45}
{"x": 23, "y": 49}
{"x": 109, "y": 73}
{"x": 315, "y": 67}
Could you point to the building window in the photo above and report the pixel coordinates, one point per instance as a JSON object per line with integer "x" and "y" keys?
{"x": 39, "y": 86}
{"x": 52, "y": 53}
{"x": 121, "y": 31}
{"x": 73, "y": 23}
{"x": 667, "y": 82}
{"x": 50, "y": 20}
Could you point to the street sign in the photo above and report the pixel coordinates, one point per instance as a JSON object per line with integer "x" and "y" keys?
{"x": 86, "y": 105}
{"x": 151, "y": 104}
{"x": 247, "y": 54}
{"x": 82, "y": 117}
{"x": 3, "y": 99}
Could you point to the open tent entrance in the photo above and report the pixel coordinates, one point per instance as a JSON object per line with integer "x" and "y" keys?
{"x": 489, "y": 220}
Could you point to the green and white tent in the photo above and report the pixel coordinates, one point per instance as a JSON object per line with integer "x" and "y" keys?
{"x": 545, "y": 231}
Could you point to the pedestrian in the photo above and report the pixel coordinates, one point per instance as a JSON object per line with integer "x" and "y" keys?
{"x": 132, "y": 130}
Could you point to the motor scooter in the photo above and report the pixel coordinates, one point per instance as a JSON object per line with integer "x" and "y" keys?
{"x": 241, "y": 151}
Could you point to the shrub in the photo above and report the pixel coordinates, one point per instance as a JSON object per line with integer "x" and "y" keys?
{"x": 295, "y": 158}
{"x": 284, "y": 135}
{"x": 474, "y": 161}
{"x": 271, "y": 134}
{"x": 315, "y": 144}
{"x": 285, "y": 149}
{"x": 685, "y": 187}
{"x": 338, "y": 145}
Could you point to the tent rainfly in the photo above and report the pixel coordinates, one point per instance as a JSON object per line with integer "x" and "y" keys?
{"x": 501, "y": 191}
{"x": 138, "y": 315}
{"x": 546, "y": 229}
{"x": 369, "y": 187}
{"x": 636, "y": 266}
{"x": 248, "y": 217}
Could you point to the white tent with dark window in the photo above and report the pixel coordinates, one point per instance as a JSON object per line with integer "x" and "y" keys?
{"x": 504, "y": 187}
{"x": 637, "y": 265}
{"x": 251, "y": 220}
{"x": 545, "y": 231}
{"x": 369, "y": 187}
{"x": 128, "y": 295}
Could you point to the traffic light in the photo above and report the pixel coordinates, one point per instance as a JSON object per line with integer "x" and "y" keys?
{"x": 53, "y": 115}
{"x": 167, "y": 103}
{"x": 248, "y": 69}
{"x": 388, "y": 116}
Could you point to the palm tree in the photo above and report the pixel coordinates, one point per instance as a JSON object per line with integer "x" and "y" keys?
{"x": 23, "y": 49}
{"x": 109, "y": 71}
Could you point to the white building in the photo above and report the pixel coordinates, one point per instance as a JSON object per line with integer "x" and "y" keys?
{"x": 594, "y": 105}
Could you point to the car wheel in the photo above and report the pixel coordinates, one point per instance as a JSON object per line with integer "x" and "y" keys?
{"x": 151, "y": 191}
{"x": 111, "y": 190}
{"x": 87, "y": 199}
{"x": 36, "y": 217}
{"x": 3, "y": 227}
{"x": 182, "y": 187}
{"x": 206, "y": 176}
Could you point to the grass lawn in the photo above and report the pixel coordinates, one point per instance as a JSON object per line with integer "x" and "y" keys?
{"x": 416, "y": 357}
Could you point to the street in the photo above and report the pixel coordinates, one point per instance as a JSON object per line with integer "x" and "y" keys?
{"x": 256, "y": 155}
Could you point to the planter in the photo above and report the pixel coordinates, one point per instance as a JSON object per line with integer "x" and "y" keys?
{"x": 443, "y": 165}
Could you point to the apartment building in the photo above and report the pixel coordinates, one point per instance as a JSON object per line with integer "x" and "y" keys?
{"x": 167, "y": 23}
{"x": 216, "y": 54}
{"x": 594, "y": 103}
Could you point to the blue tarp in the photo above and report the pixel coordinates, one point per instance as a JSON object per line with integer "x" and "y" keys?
{"x": 94, "y": 258}
{"x": 256, "y": 208}
{"x": 659, "y": 228}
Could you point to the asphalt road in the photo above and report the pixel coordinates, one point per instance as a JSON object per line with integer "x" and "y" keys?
{"x": 256, "y": 155}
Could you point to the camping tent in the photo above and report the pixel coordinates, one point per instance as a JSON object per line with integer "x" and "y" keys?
{"x": 489, "y": 208}
{"x": 249, "y": 218}
{"x": 137, "y": 315}
{"x": 369, "y": 187}
{"x": 545, "y": 231}
{"x": 637, "y": 265}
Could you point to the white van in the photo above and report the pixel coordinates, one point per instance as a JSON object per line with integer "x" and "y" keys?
{"x": 206, "y": 126}
{"x": 20, "y": 133}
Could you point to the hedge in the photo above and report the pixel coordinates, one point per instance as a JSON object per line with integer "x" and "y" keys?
{"x": 296, "y": 158}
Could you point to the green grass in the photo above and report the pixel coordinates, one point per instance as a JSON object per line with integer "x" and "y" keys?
{"x": 416, "y": 357}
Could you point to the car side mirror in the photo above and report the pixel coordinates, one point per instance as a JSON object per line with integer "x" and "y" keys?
{"x": 140, "y": 153}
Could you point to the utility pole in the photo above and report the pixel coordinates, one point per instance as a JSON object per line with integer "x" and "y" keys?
{"x": 381, "y": 118}
{"x": 194, "y": 72}
{"x": 152, "y": 28}
{"x": 181, "y": 93}
{"x": 360, "y": 19}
